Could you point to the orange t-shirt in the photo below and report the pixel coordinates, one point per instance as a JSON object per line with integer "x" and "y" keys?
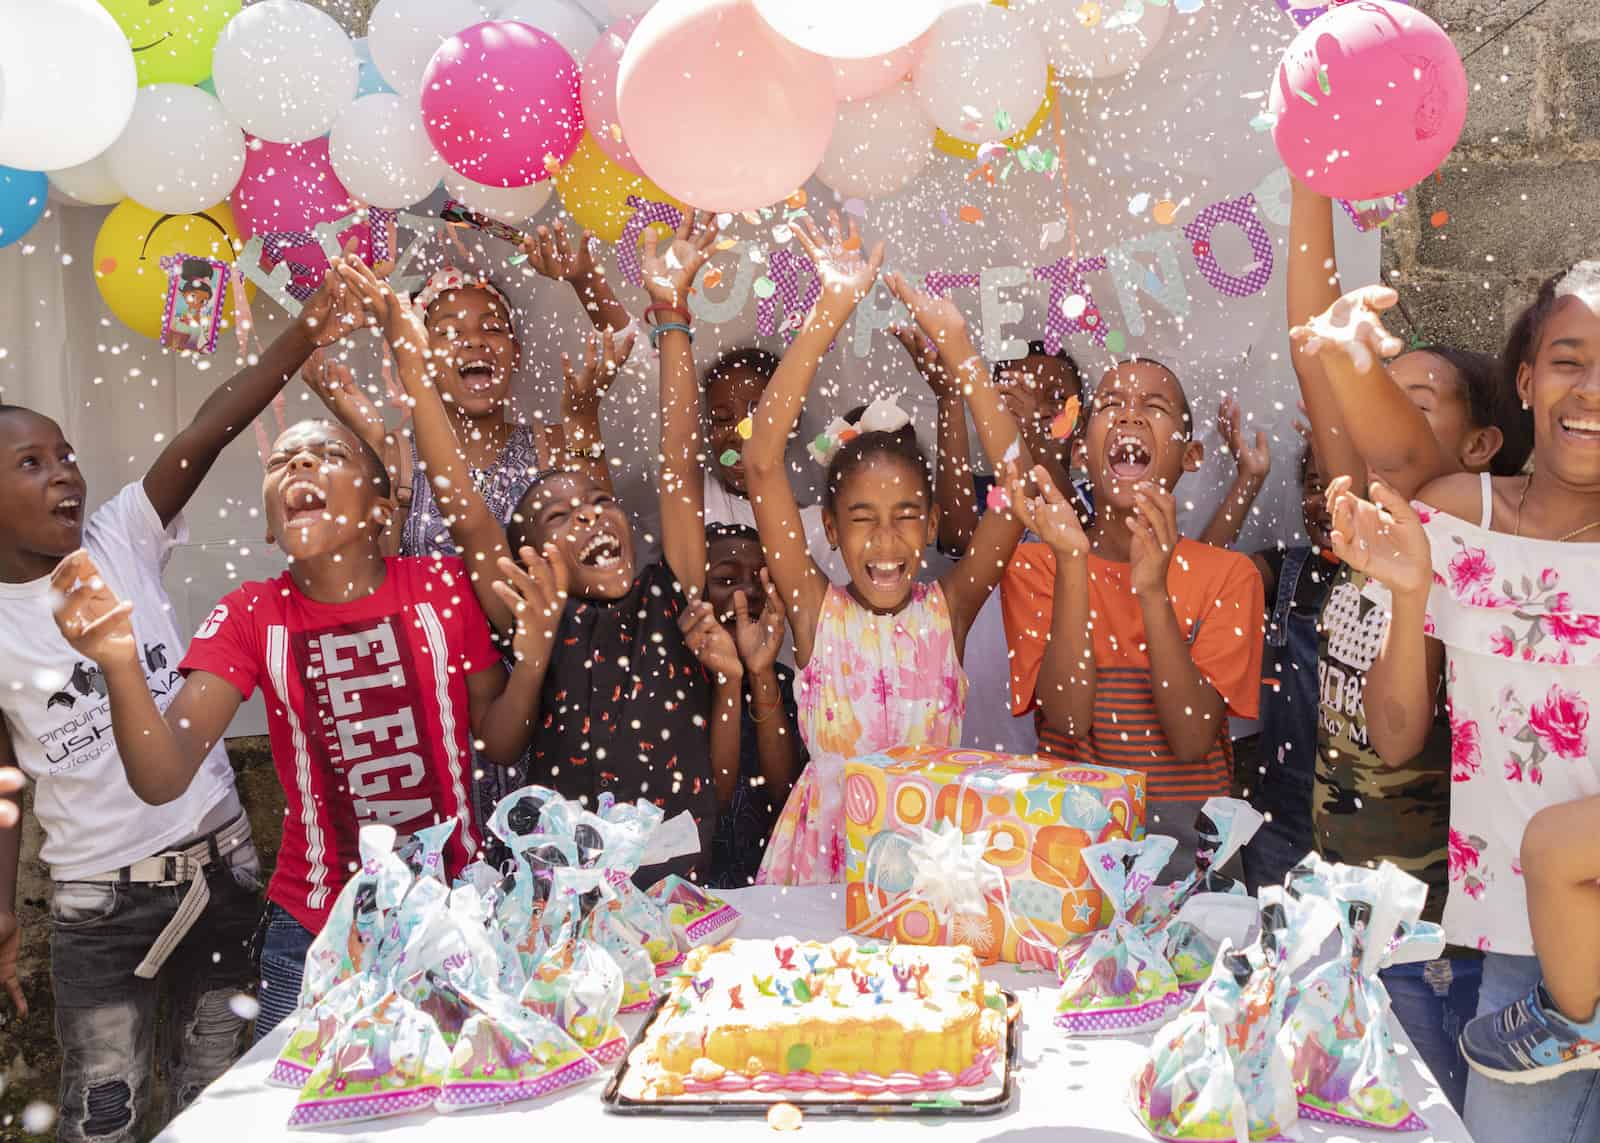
{"x": 1217, "y": 595}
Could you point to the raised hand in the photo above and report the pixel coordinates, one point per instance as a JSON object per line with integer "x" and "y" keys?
{"x": 583, "y": 388}
{"x": 669, "y": 274}
{"x": 386, "y": 310}
{"x": 1154, "y": 524}
{"x": 536, "y": 596}
{"x": 1352, "y": 326}
{"x": 845, "y": 270}
{"x": 709, "y": 639}
{"x": 925, "y": 356}
{"x": 1382, "y": 537}
{"x": 939, "y": 318}
{"x": 759, "y": 639}
{"x": 552, "y": 255}
{"x": 97, "y": 624}
{"x": 333, "y": 382}
{"x": 1254, "y": 461}
{"x": 333, "y": 312}
{"x": 1046, "y": 512}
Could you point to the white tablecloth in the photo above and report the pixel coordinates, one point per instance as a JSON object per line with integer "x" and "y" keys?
{"x": 1068, "y": 1088}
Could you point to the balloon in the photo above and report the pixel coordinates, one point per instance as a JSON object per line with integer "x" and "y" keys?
{"x": 850, "y": 29}
{"x": 66, "y": 83}
{"x": 1369, "y": 99}
{"x": 128, "y": 251}
{"x": 862, "y": 79}
{"x": 509, "y": 204}
{"x": 564, "y": 21}
{"x": 982, "y": 58}
{"x": 284, "y": 70}
{"x": 1095, "y": 39}
{"x": 180, "y": 152}
{"x": 23, "y": 195}
{"x": 734, "y": 128}
{"x": 594, "y": 191}
{"x": 600, "y": 93}
{"x": 380, "y": 151}
{"x": 88, "y": 184}
{"x": 369, "y": 80}
{"x": 500, "y": 102}
{"x": 404, "y": 34}
{"x": 608, "y": 11}
{"x": 962, "y": 149}
{"x": 287, "y": 188}
{"x": 172, "y": 42}
{"x": 879, "y": 145}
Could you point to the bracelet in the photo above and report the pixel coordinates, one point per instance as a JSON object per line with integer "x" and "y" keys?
{"x": 667, "y": 326}
{"x": 662, "y": 307}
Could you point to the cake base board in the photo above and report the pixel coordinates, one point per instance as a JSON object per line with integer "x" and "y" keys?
{"x": 624, "y": 1094}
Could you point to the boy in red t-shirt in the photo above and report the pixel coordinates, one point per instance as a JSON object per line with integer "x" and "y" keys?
{"x": 1157, "y": 638}
{"x": 379, "y": 676}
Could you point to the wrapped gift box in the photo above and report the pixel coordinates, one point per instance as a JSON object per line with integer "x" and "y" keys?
{"x": 1037, "y": 815}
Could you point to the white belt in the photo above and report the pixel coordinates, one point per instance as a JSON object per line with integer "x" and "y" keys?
{"x": 179, "y": 867}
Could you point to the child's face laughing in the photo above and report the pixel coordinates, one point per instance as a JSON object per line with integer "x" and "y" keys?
{"x": 319, "y": 492}
{"x": 1137, "y": 432}
{"x": 42, "y": 489}
{"x": 586, "y": 526}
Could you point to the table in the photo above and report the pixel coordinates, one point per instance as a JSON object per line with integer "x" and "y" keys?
{"x": 1068, "y": 1089}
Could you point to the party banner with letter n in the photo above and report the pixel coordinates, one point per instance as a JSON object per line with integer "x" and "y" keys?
{"x": 951, "y": 846}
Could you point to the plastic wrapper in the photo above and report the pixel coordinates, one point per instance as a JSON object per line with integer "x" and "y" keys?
{"x": 1220, "y": 1070}
{"x": 348, "y": 941}
{"x": 1118, "y": 980}
{"x": 423, "y": 852}
{"x": 388, "y": 1059}
{"x": 1343, "y": 1055}
{"x": 506, "y": 1053}
{"x": 694, "y": 916}
{"x": 1225, "y": 826}
{"x": 579, "y": 987}
{"x": 313, "y": 1028}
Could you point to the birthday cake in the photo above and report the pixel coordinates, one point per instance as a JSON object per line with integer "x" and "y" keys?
{"x": 802, "y": 1016}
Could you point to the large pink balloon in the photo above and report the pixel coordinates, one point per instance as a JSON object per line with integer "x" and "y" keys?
{"x": 719, "y": 109}
{"x": 500, "y": 102}
{"x": 862, "y": 79}
{"x": 287, "y": 188}
{"x": 1369, "y": 99}
{"x": 600, "y": 93}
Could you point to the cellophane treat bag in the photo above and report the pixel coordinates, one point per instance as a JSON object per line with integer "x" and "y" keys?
{"x": 389, "y": 1059}
{"x": 1225, "y": 826}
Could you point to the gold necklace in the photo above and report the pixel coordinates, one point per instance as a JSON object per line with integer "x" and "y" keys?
{"x": 1523, "y": 499}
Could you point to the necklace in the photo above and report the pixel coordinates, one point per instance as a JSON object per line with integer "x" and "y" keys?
{"x": 1523, "y": 499}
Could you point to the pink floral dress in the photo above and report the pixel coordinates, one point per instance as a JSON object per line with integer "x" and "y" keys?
{"x": 873, "y": 681}
{"x": 1520, "y": 620}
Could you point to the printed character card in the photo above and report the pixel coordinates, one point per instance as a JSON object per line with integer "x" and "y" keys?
{"x": 196, "y": 293}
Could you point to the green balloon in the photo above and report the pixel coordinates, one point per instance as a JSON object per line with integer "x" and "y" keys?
{"x": 171, "y": 40}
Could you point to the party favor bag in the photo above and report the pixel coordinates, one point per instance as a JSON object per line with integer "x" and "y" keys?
{"x": 1225, "y": 826}
{"x": 507, "y": 1053}
{"x": 389, "y": 1059}
{"x": 349, "y": 940}
{"x": 695, "y": 916}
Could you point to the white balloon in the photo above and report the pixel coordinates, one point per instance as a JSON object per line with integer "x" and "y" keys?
{"x": 564, "y": 21}
{"x": 404, "y": 34}
{"x": 978, "y": 62}
{"x": 879, "y": 145}
{"x": 88, "y": 184}
{"x": 850, "y": 29}
{"x": 608, "y": 12}
{"x": 284, "y": 70}
{"x": 180, "y": 152}
{"x": 1097, "y": 39}
{"x": 509, "y": 204}
{"x": 381, "y": 153}
{"x": 67, "y": 83}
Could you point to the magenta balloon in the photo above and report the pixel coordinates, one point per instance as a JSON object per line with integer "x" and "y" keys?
{"x": 600, "y": 93}
{"x": 719, "y": 109}
{"x": 500, "y": 102}
{"x": 1369, "y": 99}
{"x": 862, "y": 79}
{"x": 287, "y": 188}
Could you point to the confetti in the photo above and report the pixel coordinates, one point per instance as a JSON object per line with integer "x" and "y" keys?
{"x": 1002, "y": 122}
{"x": 764, "y": 287}
{"x": 1088, "y": 13}
{"x": 1073, "y": 305}
{"x": 781, "y": 234}
{"x": 244, "y": 1007}
{"x": 851, "y": 243}
{"x": 1165, "y": 211}
{"x": 796, "y": 200}
{"x": 1322, "y": 80}
{"x": 729, "y": 458}
{"x": 745, "y": 429}
{"x": 724, "y": 221}
{"x": 1307, "y": 96}
{"x": 1439, "y": 218}
{"x": 998, "y": 500}
{"x": 1116, "y": 341}
{"x": 616, "y": 132}
{"x": 1138, "y": 203}
{"x": 713, "y": 278}
{"x": 970, "y": 214}
{"x": 1066, "y": 420}
{"x": 784, "y": 1117}
{"x": 1053, "y": 232}
{"x": 1263, "y": 122}
{"x": 822, "y": 443}
{"x": 855, "y": 206}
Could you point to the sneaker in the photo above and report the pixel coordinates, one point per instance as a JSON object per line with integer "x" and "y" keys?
{"x": 1529, "y": 1041}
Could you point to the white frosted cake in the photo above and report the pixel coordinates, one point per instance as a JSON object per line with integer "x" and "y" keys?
{"x": 789, "y": 1015}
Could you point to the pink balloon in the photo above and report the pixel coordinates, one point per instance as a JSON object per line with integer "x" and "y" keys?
{"x": 500, "y": 102}
{"x": 862, "y": 79}
{"x": 718, "y": 108}
{"x": 600, "y": 93}
{"x": 288, "y": 188}
{"x": 1369, "y": 99}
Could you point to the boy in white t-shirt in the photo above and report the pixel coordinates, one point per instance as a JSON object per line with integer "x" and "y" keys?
{"x": 150, "y": 902}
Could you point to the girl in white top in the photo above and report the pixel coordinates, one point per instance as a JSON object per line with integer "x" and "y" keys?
{"x": 1495, "y": 582}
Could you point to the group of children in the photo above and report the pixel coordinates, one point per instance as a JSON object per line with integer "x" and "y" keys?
{"x": 467, "y": 608}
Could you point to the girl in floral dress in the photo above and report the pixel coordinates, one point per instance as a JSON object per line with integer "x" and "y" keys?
{"x": 1496, "y": 583}
{"x": 879, "y": 658}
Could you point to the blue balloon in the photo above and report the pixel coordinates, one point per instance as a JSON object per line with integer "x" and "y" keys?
{"x": 370, "y": 82}
{"x": 23, "y": 195}
{"x": 207, "y": 86}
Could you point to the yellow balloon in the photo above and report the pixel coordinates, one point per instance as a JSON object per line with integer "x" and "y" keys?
{"x": 595, "y": 191}
{"x": 171, "y": 41}
{"x": 962, "y": 149}
{"x": 128, "y": 252}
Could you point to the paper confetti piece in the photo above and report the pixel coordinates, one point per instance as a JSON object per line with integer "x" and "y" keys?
{"x": 1138, "y": 203}
{"x": 516, "y": 259}
{"x": 796, "y": 200}
{"x": 751, "y": 217}
{"x": 784, "y": 1117}
{"x": 1066, "y": 420}
{"x": 1116, "y": 341}
{"x": 1439, "y": 218}
{"x": 1088, "y": 13}
{"x": 1263, "y": 122}
{"x": 1002, "y": 122}
{"x": 713, "y": 278}
{"x": 781, "y": 234}
{"x": 1053, "y": 232}
{"x": 1307, "y": 96}
{"x": 764, "y": 287}
{"x": 851, "y": 243}
{"x": 1013, "y": 451}
{"x": 855, "y": 206}
{"x": 616, "y": 132}
{"x": 1073, "y": 305}
{"x": 970, "y": 214}
{"x": 724, "y": 221}
{"x": 746, "y": 428}
{"x": 729, "y": 458}
{"x": 997, "y": 500}
{"x": 1165, "y": 211}
{"x": 821, "y": 443}
{"x": 1322, "y": 80}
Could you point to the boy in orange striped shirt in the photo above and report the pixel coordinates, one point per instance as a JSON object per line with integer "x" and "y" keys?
{"x": 1132, "y": 644}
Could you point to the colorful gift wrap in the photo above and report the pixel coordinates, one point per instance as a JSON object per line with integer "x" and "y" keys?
{"x": 696, "y": 917}
{"x": 1037, "y": 817}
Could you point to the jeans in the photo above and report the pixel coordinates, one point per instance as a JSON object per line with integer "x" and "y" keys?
{"x": 1562, "y": 1110}
{"x": 110, "y": 1022}
{"x": 284, "y": 945}
{"x": 1432, "y": 1000}
{"x": 1285, "y": 837}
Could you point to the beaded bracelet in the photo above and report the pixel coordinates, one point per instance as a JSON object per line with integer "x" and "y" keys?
{"x": 663, "y": 327}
